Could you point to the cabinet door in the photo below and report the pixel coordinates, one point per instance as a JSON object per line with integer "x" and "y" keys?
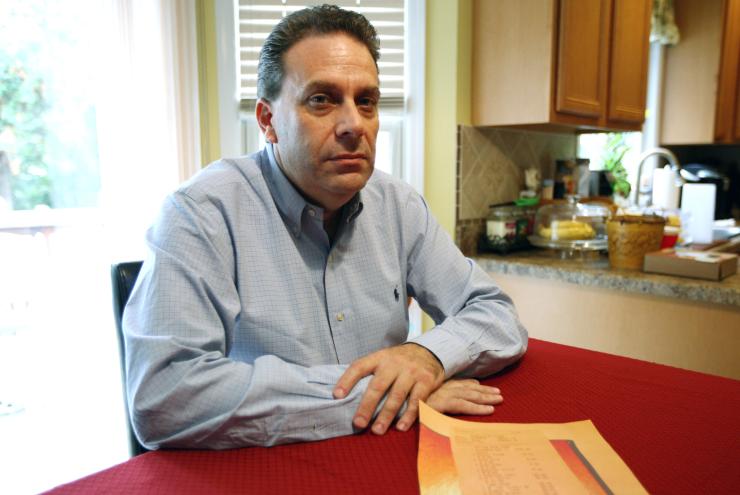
{"x": 629, "y": 61}
{"x": 689, "y": 92}
{"x": 582, "y": 62}
{"x": 736, "y": 134}
{"x": 727, "y": 122}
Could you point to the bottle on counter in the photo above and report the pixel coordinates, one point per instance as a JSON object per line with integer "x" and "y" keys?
{"x": 548, "y": 189}
{"x": 564, "y": 178}
{"x": 582, "y": 177}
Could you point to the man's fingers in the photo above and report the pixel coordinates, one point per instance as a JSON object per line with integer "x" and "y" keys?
{"x": 409, "y": 416}
{"x": 467, "y": 407}
{"x": 396, "y": 371}
{"x": 479, "y": 398}
{"x": 465, "y": 397}
{"x": 419, "y": 392}
{"x": 353, "y": 374}
{"x": 393, "y": 403}
{"x": 458, "y": 397}
{"x": 471, "y": 384}
{"x": 374, "y": 393}
{"x": 488, "y": 390}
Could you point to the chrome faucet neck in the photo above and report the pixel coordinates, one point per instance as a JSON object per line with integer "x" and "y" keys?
{"x": 665, "y": 153}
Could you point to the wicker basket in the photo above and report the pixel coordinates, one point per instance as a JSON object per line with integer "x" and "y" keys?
{"x": 631, "y": 237}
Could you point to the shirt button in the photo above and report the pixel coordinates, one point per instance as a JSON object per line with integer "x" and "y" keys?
{"x": 312, "y": 212}
{"x": 340, "y": 316}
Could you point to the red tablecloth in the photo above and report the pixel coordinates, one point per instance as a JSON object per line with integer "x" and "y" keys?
{"x": 678, "y": 431}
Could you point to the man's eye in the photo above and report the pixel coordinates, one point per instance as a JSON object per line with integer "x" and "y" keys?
{"x": 369, "y": 103}
{"x": 318, "y": 100}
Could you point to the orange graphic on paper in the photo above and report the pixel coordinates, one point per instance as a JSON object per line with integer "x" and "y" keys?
{"x": 437, "y": 465}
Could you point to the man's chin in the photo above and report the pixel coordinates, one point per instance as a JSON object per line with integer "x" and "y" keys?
{"x": 350, "y": 183}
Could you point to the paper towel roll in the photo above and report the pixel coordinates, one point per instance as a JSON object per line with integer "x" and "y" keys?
{"x": 665, "y": 188}
{"x": 698, "y": 201}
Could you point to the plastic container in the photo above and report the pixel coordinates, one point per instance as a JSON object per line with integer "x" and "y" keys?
{"x": 670, "y": 237}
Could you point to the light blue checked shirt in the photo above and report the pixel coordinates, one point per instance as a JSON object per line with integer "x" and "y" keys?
{"x": 245, "y": 315}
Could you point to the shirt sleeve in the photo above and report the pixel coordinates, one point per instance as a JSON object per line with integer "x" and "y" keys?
{"x": 477, "y": 330}
{"x": 183, "y": 389}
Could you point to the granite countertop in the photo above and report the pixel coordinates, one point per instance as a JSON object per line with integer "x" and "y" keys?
{"x": 592, "y": 269}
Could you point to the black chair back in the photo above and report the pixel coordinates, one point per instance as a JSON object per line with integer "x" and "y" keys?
{"x": 123, "y": 278}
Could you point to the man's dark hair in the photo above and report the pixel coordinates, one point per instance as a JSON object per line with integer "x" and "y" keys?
{"x": 323, "y": 19}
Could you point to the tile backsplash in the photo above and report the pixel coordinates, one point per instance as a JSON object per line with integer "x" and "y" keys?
{"x": 490, "y": 170}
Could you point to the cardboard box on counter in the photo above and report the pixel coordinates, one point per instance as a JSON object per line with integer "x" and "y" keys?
{"x": 695, "y": 264}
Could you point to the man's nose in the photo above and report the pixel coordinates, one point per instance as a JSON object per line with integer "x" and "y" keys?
{"x": 350, "y": 123}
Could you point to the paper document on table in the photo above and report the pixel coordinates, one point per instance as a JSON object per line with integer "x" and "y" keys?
{"x": 511, "y": 462}
{"x": 466, "y": 458}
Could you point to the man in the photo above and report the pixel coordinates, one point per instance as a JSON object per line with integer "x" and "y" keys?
{"x": 272, "y": 308}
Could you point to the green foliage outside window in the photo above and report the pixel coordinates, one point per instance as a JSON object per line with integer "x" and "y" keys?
{"x": 23, "y": 133}
{"x": 616, "y": 148}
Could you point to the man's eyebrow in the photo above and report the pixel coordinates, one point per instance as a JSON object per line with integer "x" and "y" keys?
{"x": 313, "y": 86}
{"x": 373, "y": 91}
{"x": 320, "y": 85}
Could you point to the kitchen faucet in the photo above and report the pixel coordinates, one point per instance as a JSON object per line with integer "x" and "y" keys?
{"x": 665, "y": 153}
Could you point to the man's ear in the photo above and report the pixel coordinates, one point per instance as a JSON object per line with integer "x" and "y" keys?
{"x": 263, "y": 112}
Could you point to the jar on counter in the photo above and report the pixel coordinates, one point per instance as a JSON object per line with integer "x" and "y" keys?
{"x": 501, "y": 223}
{"x": 507, "y": 228}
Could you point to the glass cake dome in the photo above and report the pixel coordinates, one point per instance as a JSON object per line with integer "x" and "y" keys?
{"x": 571, "y": 225}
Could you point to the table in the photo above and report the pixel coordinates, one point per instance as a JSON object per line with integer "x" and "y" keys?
{"x": 679, "y": 431}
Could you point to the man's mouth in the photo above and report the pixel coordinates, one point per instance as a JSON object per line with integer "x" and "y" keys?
{"x": 349, "y": 156}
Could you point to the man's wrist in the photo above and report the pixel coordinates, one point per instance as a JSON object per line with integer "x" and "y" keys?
{"x": 436, "y": 358}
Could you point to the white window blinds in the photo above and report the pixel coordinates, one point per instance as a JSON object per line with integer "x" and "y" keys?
{"x": 256, "y": 18}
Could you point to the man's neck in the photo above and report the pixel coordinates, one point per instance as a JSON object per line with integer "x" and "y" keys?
{"x": 331, "y": 223}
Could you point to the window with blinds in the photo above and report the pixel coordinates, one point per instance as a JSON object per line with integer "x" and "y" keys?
{"x": 256, "y": 18}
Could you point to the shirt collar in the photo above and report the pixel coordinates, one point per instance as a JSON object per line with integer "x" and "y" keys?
{"x": 352, "y": 209}
{"x": 290, "y": 202}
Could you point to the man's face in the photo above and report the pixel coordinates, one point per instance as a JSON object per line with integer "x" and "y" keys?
{"x": 324, "y": 123}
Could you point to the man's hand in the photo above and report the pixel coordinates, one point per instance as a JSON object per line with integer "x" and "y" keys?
{"x": 409, "y": 371}
{"x": 465, "y": 397}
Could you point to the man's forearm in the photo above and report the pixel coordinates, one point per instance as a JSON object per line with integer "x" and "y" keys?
{"x": 478, "y": 331}
{"x": 481, "y": 339}
{"x": 220, "y": 404}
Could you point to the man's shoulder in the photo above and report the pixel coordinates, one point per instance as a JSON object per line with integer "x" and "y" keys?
{"x": 386, "y": 186}
{"x": 224, "y": 175}
{"x": 393, "y": 198}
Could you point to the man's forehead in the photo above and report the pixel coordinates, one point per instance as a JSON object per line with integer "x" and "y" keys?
{"x": 330, "y": 61}
{"x": 329, "y": 52}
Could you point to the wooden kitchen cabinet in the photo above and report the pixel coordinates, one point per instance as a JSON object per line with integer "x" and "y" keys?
{"x": 582, "y": 53}
{"x": 549, "y": 63}
{"x": 727, "y": 123}
{"x": 701, "y": 83}
{"x": 629, "y": 57}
